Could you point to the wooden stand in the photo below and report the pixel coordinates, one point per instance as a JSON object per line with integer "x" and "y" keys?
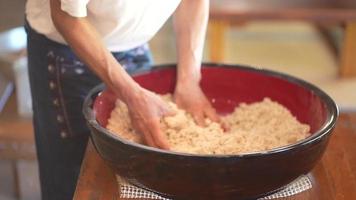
{"x": 224, "y": 13}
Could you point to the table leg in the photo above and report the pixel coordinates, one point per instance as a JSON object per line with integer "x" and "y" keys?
{"x": 16, "y": 179}
{"x": 348, "y": 56}
{"x": 96, "y": 181}
{"x": 216, "y": 40}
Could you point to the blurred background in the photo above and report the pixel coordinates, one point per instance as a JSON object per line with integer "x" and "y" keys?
{"x": 311, "y": 39}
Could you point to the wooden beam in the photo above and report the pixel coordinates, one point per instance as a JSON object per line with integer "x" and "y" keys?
{"x": 348, "y": 56}
{"x": 216, "y": 40}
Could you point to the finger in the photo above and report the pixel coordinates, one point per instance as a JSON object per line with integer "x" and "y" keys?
{"x": 158, "y": 137}
{"x": 199, "y": 118}
{"x": 212, "y": 115}
{"x": 225, "y": 126}
{"x": 149, "y": 140}
{"x": 146, "y": 134}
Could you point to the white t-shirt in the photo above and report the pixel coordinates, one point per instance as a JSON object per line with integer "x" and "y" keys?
{"x": 123, "y": 24}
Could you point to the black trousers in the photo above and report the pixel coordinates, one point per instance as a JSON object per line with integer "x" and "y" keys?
{"x": 59, "y": 83}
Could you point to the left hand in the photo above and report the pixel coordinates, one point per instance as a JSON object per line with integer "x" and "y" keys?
{"x": 190, "y": 97}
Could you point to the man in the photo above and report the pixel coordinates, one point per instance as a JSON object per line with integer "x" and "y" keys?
{"x": 70, "y": 39}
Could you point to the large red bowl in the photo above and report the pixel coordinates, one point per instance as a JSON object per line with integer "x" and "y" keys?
{"x": 245, "y": 176}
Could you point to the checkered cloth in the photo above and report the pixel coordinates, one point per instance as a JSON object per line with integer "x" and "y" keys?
{"x": 129, "y": 191}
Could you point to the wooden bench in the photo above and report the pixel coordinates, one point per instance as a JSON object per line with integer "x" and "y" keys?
{"x": 224, "y": 13}
{"x": 16, "y": 145}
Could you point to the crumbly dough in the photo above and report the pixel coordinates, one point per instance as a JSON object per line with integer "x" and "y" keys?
{"x": 253, "y": 127}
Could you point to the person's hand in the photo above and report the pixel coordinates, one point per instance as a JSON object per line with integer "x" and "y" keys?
{"x": 146, "y": 109}
{"x": 190, "y": 97}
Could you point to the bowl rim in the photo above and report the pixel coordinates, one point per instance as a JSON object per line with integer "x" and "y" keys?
{"x": 325, "y": 129}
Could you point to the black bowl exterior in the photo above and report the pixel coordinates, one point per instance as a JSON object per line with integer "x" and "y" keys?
{"x": 192, "y": 177}
{"x": 184, "y": 176}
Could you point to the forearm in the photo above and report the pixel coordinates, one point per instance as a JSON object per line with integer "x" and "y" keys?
{"x": 190, "y": 24}
{"x": 87, "y": 45}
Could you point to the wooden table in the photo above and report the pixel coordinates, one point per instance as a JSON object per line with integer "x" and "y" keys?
{"x": 224, "y": 13}
{"x": 333, "y": 178}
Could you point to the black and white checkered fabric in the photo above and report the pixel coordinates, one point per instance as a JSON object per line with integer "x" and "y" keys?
{"x": 302, "y": 184}
{"x": 129, "y": 191}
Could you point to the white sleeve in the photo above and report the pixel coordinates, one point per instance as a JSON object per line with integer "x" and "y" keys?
{"x": 75, "y": 8}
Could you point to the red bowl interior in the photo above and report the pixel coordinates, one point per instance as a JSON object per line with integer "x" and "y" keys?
{"x": 226, "y": 87}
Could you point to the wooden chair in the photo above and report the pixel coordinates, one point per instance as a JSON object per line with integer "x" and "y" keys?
{"x": 224, "y": 13}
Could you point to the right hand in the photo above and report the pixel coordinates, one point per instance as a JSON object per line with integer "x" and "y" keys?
{"x": 146, "y": 109}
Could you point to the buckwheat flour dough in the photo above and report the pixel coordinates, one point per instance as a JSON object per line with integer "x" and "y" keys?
{"x": 253, "y": 127}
